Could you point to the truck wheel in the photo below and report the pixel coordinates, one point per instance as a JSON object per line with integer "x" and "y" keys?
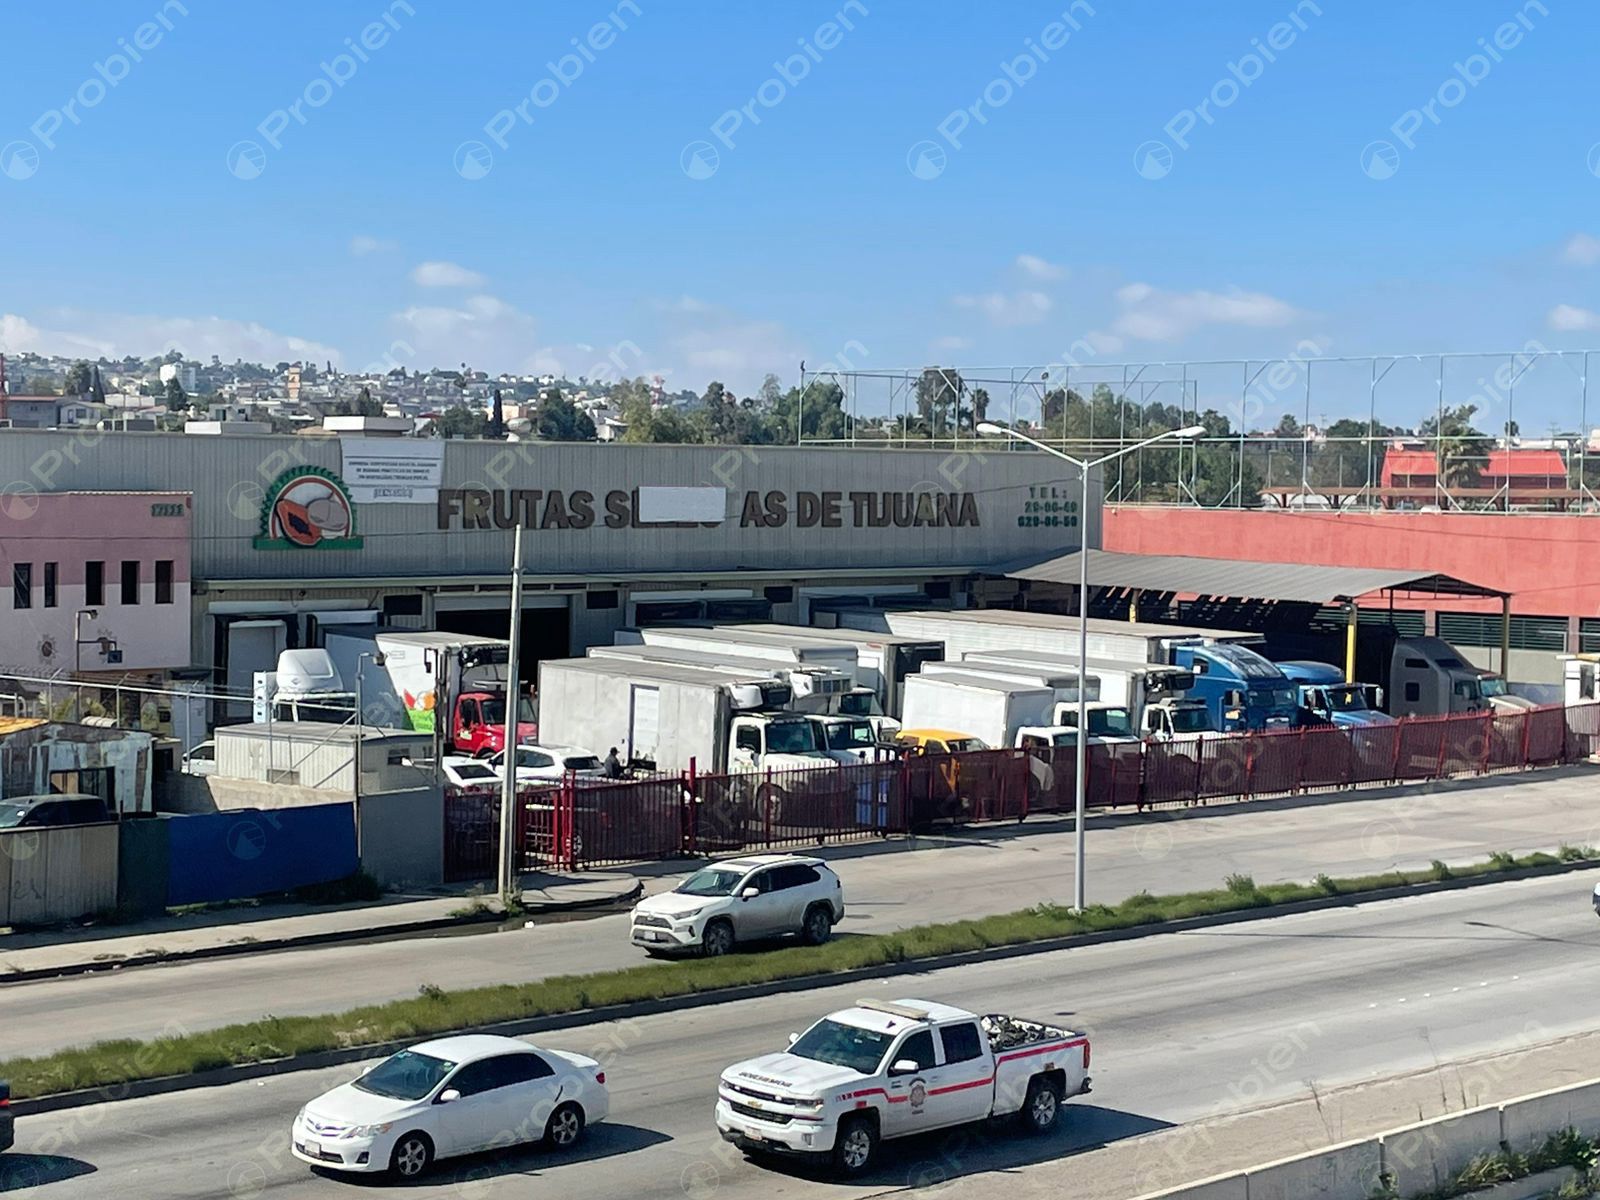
{"x": 717, "y": 940}
{"x": 1042, "y": 1106}
{"x": 818, "y": 926}
{"x": 855, "y": 1147}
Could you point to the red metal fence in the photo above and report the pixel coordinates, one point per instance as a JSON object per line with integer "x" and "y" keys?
{"x": 579, "y": 824}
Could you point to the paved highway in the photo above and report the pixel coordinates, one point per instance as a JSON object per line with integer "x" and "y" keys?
{"x": 888, "y": 886}
{"x": 1185, "y": 1027}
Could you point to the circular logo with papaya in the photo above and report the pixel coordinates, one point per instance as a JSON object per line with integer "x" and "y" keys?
{"x": 307, "y": 508}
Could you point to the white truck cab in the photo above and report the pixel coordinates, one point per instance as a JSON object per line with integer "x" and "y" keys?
{"x": 881, "y": 1070}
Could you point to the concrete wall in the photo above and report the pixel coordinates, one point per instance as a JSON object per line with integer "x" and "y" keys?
{"x": 216, "y": 793}
{"x": 1428, "y": 1155}
{"x": 1350, "y": 1171}
{"x": 1525, "y": 1123}
{"x": 49, "y": 875}
{"x": 402, "y": 837}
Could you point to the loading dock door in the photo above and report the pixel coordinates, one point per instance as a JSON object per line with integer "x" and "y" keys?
{"x": 545, "y": 631}
{"x": 644, "y": 724}
{"x": 252, "y": 646}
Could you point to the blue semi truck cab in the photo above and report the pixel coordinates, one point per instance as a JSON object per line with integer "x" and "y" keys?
{"x": 1326, "y": 699}
{"x": 1240, "y": 688}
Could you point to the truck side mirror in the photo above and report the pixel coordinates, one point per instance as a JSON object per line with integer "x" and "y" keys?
{"x": 793, "y": 1038}
{"x": 750, "y": 893}
{"x": 904, "y": 1066}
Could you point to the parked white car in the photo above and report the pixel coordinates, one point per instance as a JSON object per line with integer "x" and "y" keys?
{"x": 551, "y": 762}
{"x": 462, "y": 771}
{"x": 456, "y": 1095}
{"x": 202, "y": 760}
{"x": 742, "y": 899}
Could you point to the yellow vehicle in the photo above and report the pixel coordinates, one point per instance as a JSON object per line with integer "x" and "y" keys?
{"x": 932, "y": 802}
{"x": 937, "y": 741}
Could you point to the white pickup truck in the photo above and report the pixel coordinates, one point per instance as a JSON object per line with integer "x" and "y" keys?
{"x": 885, "y": 1070}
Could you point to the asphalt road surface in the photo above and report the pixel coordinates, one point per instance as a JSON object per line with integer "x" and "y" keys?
{"x": 1185, "y": 1026}
{"x": 888, "y": 886}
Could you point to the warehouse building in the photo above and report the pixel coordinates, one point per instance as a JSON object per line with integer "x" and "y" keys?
{"x": 248, "y": 546}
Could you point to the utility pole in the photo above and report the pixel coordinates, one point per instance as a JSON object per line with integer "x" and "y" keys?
{"x": 508, "y": 778}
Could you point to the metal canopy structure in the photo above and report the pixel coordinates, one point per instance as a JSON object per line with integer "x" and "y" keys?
{"x": 1243, "y": 579}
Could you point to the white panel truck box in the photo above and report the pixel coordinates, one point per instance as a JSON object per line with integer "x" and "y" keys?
{"x": 884, "y": 661}
{"x": 1004, "y": 629}
{"x": 665, "y": 716}
{"x": 1155, "y": 694}
{"x": 817, "y": 673}
{"x": 878, "y": 1071}
{"x": 1063, "y": 681}
{"x": 991, "y": 712}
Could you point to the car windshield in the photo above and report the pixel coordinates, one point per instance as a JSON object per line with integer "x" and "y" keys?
{"x": 11, "y": 815}
{"x": 849, "y": 735}
{"x": 713, "y": 881}
{"x": 582, "y": 762}
{"x": 1350, "y": 698}
{"x": 843, "y": 1046}
{"x": 1110, "y": 722}
{"x": 1190, "y": 720}
{"x": 963, "y": 744}
{"x": 494, "y": 711}
{"x": 1493, "y": 685}
{"x": 405, "y": 1076}
{"x": 474, "y": 770}
{"x": 791, "y": 737}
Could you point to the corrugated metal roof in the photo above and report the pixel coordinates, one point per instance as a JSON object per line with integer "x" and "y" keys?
{"x": 1304, "y": 583}
{"x": 18, "y": 724}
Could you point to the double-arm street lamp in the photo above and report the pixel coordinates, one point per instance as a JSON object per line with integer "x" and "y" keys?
{"x": 990, "y": 429}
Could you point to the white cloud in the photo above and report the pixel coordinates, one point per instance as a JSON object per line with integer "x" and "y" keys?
{"x": 706, "y": 341}
{"x": 1007, "y": 308}
{"x": 446, "y": 274}
{"x": 1035, "y": 267}
{"x": 1583, "y": 249}
{"x": 80, "y": 333}
{"x": 482, "y": 330}
{"x": 365, "y": 244}
{"x": 952, "y": 342}
{"x": 685, "y": 304}
{"x": 1153, "y": 315}
{"x": 1566, "y": 318}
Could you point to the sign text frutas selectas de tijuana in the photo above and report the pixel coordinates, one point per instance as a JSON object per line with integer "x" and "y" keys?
{"x": 537, "y": 508}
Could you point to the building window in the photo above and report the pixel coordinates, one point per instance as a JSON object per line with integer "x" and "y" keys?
{"x": 22, "y": 585}
{"x": 50, "y": 585}
{"x": 163, "y": 581}
{"x": 130, "y": 581}
{"x": 94, "y": 583}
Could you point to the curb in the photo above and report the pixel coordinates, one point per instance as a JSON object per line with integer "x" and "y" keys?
{"x": 304, "y": 940}
{"x": 223, "y": 1076}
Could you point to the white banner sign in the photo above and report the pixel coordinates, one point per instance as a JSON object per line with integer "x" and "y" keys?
{"x": 393, "y": 470}
{"x": 664, "y": 505}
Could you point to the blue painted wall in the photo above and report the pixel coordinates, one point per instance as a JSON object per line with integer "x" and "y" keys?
{"x": 251, "y": 852}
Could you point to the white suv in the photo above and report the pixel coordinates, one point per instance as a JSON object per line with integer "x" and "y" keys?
{"x": 742, "y": 899}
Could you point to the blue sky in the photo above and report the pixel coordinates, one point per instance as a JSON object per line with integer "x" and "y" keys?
{"x": 851, "y": 212}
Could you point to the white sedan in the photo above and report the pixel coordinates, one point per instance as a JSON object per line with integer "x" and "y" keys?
{"x": 465, "y": 772}
{"x": 550, "y": 763}
{"x": 456, "y": 1095}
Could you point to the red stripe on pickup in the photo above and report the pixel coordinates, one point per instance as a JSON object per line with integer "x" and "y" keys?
{"x": 1049, "y": 1048}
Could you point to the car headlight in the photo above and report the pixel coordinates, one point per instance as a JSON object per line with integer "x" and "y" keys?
{"x": 685, "y": 917}
{"x": 367, "y": 1131}
{"x": 811, "y": 1102}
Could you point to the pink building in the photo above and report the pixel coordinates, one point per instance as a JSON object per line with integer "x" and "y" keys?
{"x": 99, "y": 582}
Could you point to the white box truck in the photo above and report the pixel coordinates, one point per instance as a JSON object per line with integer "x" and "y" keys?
{"x": 1152, "y": 692}
{"x": 1064, "y": 681}
{"x": 990, "y": 711}
{"x": 817, "y": 673}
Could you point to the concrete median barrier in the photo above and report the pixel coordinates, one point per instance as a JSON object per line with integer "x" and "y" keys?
{"x": 1349, "y": 1171}
{"x": 1219, "y": 1187}
{"x": 1428, "y": 1155}
{"x": 1527, "y": 1122}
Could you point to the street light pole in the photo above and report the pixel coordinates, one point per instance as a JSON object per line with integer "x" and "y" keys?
{"x": 1081, "y": 752}
{"x": 508, "y": 773}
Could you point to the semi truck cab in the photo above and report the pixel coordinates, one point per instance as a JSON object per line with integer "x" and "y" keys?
{"x": 1326, "y": 699}
{"x": 1242, "y": 689}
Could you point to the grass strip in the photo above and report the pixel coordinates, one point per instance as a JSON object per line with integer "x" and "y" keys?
{"x": 434, "y": 1010}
